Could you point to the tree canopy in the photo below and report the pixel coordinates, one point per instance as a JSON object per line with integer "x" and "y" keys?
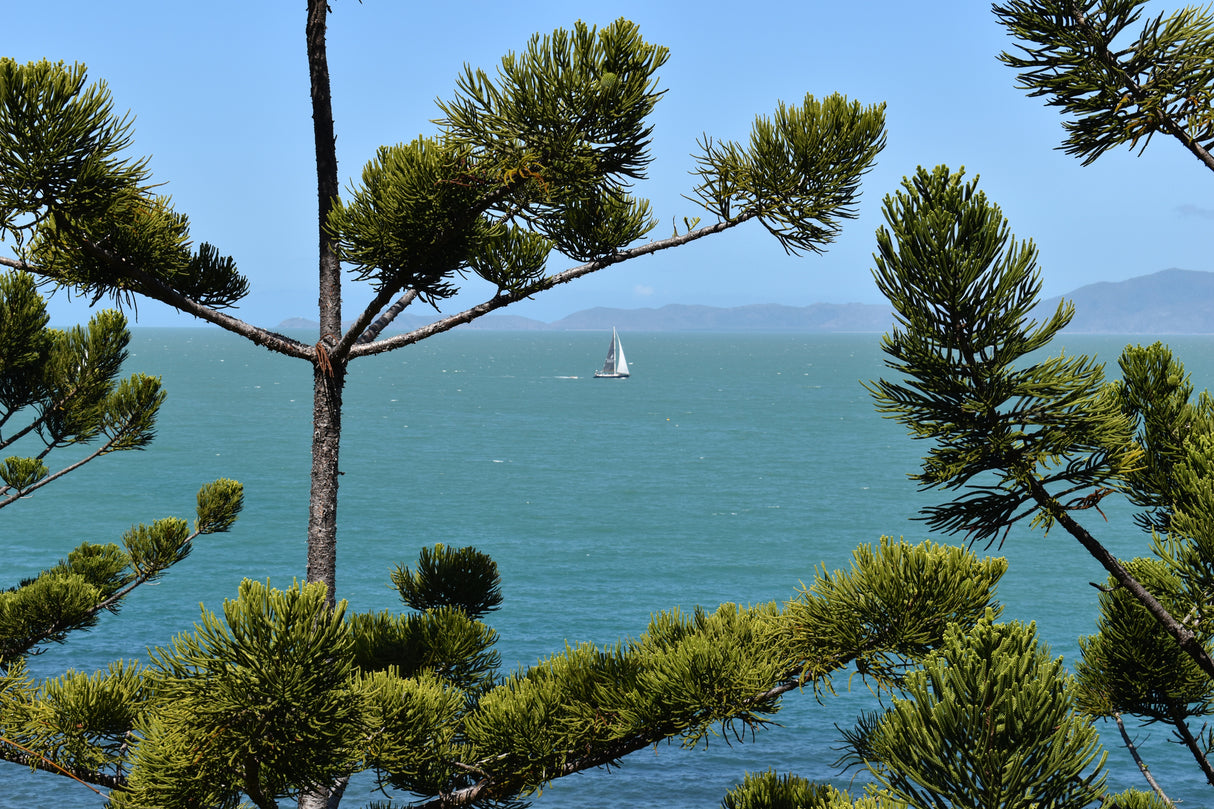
{"x": 536, "y": 160}
{"x": 284, "y": 695}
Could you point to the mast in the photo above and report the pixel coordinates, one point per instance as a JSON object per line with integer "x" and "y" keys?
{"x": 615, "y": 366}
{"x": 621, "y": 364}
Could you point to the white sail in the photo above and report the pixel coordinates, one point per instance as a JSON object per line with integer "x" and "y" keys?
{"x": 621, "y": 364}
{"x": 615, "y": 367}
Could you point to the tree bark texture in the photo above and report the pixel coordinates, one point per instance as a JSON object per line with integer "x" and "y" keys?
{"x": 1142, "y": 767}
{"x": 328, "y": 383}
{"x": 1176, "y": 712}
{"x": 1183, "y": 636}
{"x": 329, "y": 371}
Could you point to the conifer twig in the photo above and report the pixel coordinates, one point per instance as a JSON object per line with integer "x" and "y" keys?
{"x": 1142, "y": 767}
{"x": 41, "y": 762}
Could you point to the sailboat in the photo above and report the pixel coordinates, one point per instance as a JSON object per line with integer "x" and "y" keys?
{"x": 616, "y": 367}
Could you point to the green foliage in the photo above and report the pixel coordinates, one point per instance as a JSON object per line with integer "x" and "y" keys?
{"x": 22, "y": 473}
{"x": 889, "y": 611}
{"x": 94, "y": 223}
{"x": 1157, "y": 395}
{"x": 83, "y": 719}
{"x": 138, "y": 244}
{"x": 445, "y": 641}
{"x": 127, "y": 421}
{"x": 80, "y": 721}
{"x": 45, "y": 609}
{"x": 155, "y": 547}
{"x": 1134, "y": 799}
{"x": 62, "y": 387}
{"x": 1189, "y": 546}
{"x": 598, "y": 225}
{"x": 25, "y": 342}
{"x": 1118, "y": 87}
{"x": 551, "y": 143}
{"x": 66, "y": 142}
{"x": 568, "y": 114}
{"x": 463, "y": 578}
{"x": 413, "y": 223}
{"x": 988, "y": 721}
{"x": 95, "y": 578}
{"x": 258, "y": 703}
{"x": 415, "y": 727}
{"x": 511, "y": 258}
{"x": 964, "y": 292}
{"x": 801, "y": 173}
{"x": 219, "y": 503}
{"x": 102, "y": 566}
{"x": 589, "y": 707}
{"x": 708, "y": 668}
{"x": 80, "y": 378}
{"x": 769, "y": 790}
{"x": 1131, "y": 665}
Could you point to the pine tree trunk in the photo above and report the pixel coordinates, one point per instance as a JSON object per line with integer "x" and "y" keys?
{"x": 326, "y": 445}
{"x": 329, "y": 373}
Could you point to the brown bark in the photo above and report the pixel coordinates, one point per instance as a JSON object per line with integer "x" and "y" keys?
{"x": 1142, "y": 767}
{"x": 486, "y": 784}
{"x": 364, "y": 349}
{"x": 1184, "y": 636}
{"x": 1136, "y": 91}
{"x": 329, "y": 371}
{"x": 1176, "y": 713}
{"x": 11, "y": 751}
{"x": 322, "y": 509}
{"x": 383, "y": 321}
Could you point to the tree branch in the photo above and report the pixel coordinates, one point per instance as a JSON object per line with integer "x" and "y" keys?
{"x": 104, "y": 448}
{"x": 11, "y": 751}
{"x": 1183, "y": 635}
{"x": 70, "y": 468}
{"x": 1107, "y": 58}
{"x": 1182, "y": 730}
{"x": 156, "y": 289}
{"x": 26, "y": 430}
{"x": 1142, "y": 767}
{"x": 544, "y": 284}
{"x": 382, "y": 322}
{"x": 608, "y": 754}
{"x": 356, "y": 332}
{"x": 252, "y": 783}
{"x": 37, "y": 424}
{"x": 107, "y": 603}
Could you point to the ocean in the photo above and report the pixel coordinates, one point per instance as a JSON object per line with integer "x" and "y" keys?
{"x": 728, "y": 468}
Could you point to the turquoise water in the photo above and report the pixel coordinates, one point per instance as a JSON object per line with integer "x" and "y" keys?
{"x": 726, "y": 469}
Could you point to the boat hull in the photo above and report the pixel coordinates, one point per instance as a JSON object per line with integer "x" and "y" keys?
{"x": 615, "y": 366}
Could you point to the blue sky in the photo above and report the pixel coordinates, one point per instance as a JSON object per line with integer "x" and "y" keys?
{"x": 219, "y": 92}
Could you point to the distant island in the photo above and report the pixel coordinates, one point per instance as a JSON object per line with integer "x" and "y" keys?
{"x": 770, "y": 317}
{"x": 1171, "y": 301}
{"x": 1167, "y": 302}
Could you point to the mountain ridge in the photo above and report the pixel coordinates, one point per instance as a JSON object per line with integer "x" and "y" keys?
{"x": 1171, "y": 301}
